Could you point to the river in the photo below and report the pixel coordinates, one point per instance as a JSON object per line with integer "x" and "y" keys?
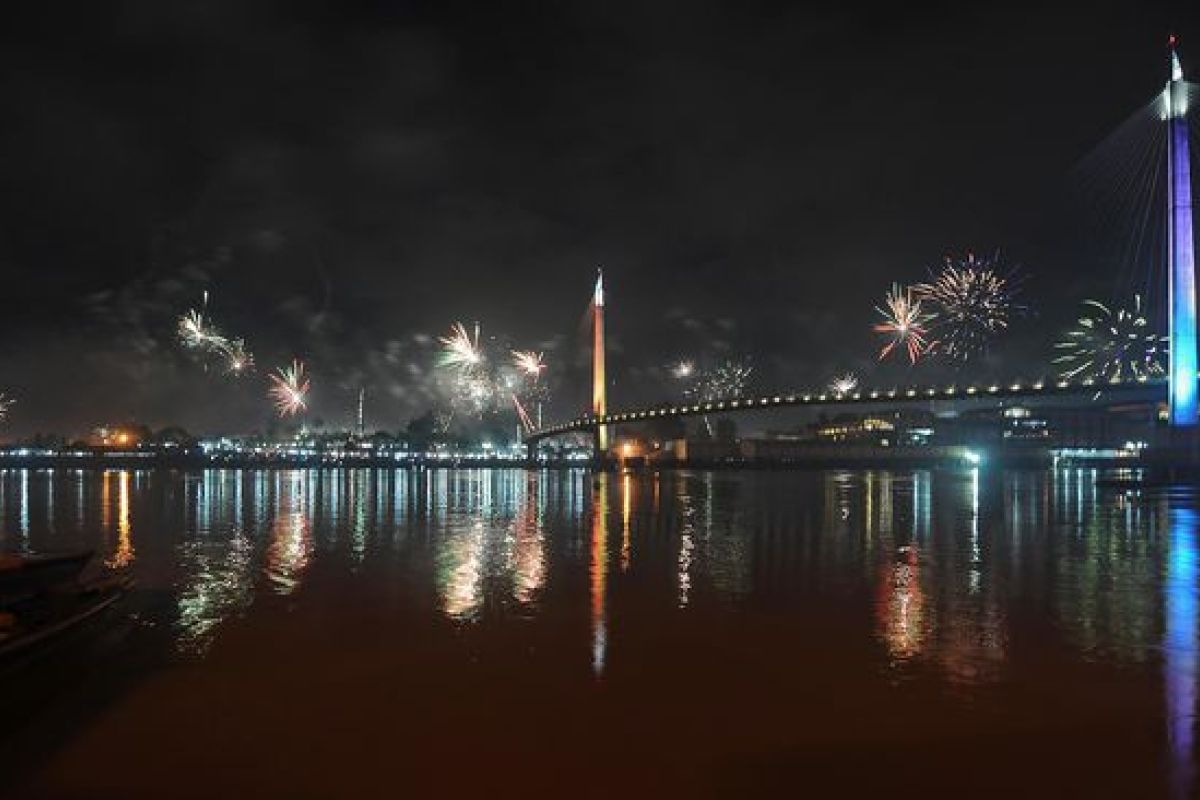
{"x": 340, "y": 633}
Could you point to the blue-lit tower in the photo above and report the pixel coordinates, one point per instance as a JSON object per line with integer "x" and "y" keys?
{"x": 1181, "y": 254}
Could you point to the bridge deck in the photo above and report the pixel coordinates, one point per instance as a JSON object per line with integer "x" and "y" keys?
{"x": 1143, "y": 389}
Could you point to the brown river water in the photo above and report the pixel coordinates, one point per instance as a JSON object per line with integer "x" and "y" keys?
{"x": 511, "y": 633}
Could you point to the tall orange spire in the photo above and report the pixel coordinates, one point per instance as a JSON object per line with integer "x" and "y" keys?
{"x": 599, "y": 401}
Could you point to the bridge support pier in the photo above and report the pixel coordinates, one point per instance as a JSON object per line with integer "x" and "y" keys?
{"x": 600, "y": 447}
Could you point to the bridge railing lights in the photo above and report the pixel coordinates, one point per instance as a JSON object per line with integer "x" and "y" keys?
{"x": 589, "y": 420}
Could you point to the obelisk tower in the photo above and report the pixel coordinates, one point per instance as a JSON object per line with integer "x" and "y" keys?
{"x": 599, "y": 395}
{"x": 1181, "y": 254}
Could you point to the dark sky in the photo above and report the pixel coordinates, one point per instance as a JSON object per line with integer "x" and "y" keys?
{"x": 348, "y": 178}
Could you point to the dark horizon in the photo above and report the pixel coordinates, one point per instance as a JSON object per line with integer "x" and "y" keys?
{"x": 346, "y": 182}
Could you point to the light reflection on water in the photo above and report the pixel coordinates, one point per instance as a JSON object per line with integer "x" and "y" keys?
{"x": 948, "y": 568}
{"x": 598, "y": 570}
{"x": 1180, "y": 648}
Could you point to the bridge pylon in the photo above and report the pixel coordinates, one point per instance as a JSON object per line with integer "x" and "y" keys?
{"x": 1181, "y": 257}
{"x": 599, "y": 390}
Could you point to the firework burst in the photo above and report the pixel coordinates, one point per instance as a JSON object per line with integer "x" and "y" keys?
{"x": 289, "y": 389}
{"x": 844, "y": 384}
{"x": 1110, "y": 344}
{"x": 238, "y": 360}
{"x": 460, "y": 350}
{"x": 196, "y": 334}
{"x": 683, "y": 369}
{"x": 6, "y": 403}
{"x": 528, "y": 363}
{"x": 726, "y": 381}
{"x": 903, "y": 323}
{"x": 972, "y": 301}
{"x": 472, "y": 389}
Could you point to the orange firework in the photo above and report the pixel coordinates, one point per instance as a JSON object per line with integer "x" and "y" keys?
{"x": 904, "y": 323}
{"x": 289, "y": 389}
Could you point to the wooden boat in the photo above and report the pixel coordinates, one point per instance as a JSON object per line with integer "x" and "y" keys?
{"x": 42, "y": 596}
{"x": 23, "y": 576}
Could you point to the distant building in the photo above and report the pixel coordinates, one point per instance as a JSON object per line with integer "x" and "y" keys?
{"x": 855, "y": 428}
{"x": 1018, "y": 427}
{"x": 885, "y": 429}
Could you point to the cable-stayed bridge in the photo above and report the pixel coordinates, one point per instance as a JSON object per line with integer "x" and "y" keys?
{"x": 946, "y": 397}
{"x": 1178, "y": 388}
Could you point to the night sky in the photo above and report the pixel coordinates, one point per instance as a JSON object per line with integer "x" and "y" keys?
{"x": 348, "y": 178}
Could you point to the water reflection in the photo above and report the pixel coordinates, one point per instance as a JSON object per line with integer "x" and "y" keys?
{"x": 1180, "y": 648}
{"x": 489, "y": 539}
{"x": 598, "y": 570}
{"x": 934, "y": 573}
{"x": 529, "y": 545}
{"x": 219, "y": 585}
{"x": 291, "y": 544}
{"x": 123, "y": 554}
{"x": 901, "y": 603}
{"x": 216, "y": 559}
{"x": 626, "y": 513}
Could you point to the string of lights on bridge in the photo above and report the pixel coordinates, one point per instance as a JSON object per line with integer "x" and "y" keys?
{"x": 910, "y": 394}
